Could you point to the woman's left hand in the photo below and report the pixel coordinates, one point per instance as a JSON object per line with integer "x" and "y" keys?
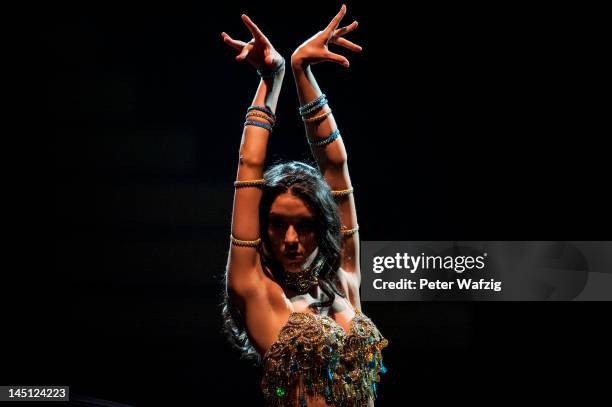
{"x": 315, "y": 50}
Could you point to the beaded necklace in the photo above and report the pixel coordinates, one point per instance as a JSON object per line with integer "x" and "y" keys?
{"x": 302, "y": 281}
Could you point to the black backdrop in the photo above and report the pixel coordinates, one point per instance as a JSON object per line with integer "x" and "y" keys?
{"x": 463, "y": 122}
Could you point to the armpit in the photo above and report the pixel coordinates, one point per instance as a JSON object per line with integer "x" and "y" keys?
{"x": 350, "y": 285}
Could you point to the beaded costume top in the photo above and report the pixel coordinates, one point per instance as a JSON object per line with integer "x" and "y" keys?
{"x": 314, "y": 356}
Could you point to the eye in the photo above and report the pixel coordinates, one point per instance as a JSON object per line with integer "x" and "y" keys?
{"x": 306, "y": 227}
{"x": 276, "y": 224}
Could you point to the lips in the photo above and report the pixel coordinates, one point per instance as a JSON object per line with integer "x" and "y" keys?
{"x": 294, "y": 256}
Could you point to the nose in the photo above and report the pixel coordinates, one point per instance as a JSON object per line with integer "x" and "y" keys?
{"x": 291, "y": 236}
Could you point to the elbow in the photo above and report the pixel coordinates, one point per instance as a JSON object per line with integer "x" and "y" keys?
{"x": 338, "y": 163}
{"x": 250, "y": 160}
{"x": 337, "y": 160}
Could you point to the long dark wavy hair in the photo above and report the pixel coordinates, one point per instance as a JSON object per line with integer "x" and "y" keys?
{"x": 307, "y": 183}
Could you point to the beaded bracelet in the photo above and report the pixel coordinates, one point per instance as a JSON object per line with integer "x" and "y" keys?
{"x": 258, "y": 124}
{"x": 342, "y": 192}
{"x": 245, "y": 243}
{"x": 264, "y": 74}
{"x": 311, "y": 103}
{"x": 249, "y": 183}
{"x": 349, "y": 232}
{"x": 261, "y": 115}
{"x": 318, "y": 118}
{"x": 323, "y": 142}
{"x": 314, "y": 108}
{"x": 264, "y": 109}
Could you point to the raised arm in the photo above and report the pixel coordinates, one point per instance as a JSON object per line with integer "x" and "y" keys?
{"x": 323, "y": 133}
{"x": 244, "y": 271}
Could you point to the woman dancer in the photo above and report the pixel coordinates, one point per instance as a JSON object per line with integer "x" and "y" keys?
{"x": 292, "y": 283}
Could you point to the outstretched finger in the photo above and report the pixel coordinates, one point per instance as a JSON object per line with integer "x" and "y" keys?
{"x": 237, "y": 45}
{"x": 257, "y": 34}
{"x": 243, "y": 54}
{"x": 346, "y": 44}
{"x": 339, "y": 59}
{"x": 336, "y": 20}
{"x": 346, "y": 29}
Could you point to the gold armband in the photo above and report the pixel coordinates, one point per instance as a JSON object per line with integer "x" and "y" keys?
{"x": 249, "y": 183}
{"x": 245, "y": 243}
{"x": 349, "y": 232}
{"x": 318, "y": 117}
{"x": 342, "y": 193}
{"x": 261, "y": 115}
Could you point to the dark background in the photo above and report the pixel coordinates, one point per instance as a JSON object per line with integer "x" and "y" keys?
{"x": 461, "y": 123}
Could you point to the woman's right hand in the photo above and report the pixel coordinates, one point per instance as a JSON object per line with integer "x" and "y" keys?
{"x": 258, "y": 52}
{"x": 315, "y": 49}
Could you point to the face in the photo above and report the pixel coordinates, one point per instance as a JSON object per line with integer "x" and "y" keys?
{"x": 291, "y": 231}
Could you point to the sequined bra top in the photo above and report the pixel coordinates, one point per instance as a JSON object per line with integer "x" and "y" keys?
{"x": 314, "y": 356}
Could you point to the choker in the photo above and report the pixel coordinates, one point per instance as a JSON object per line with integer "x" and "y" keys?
{"x": 301, "y": 281}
